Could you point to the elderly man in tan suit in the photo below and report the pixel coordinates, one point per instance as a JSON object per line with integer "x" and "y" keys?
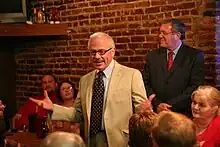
{"x": 107, "y": 98}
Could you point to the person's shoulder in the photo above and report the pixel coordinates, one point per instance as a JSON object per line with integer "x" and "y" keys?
{"x": 191, "y": 49}
{"x": 127, "y": 69}
{"x": 155, "y": 51}
{"x": 87, "y": 75}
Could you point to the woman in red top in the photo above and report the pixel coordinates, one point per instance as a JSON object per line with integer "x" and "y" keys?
{"x": 205, "y": 110}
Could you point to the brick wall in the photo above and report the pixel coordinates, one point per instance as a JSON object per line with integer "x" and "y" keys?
{"x": 132, "y": 23}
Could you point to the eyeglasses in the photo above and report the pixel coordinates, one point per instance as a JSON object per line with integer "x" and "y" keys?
{"x": 100, "y": 52}
{"x": 165, "y": 33}
{"x": 48, "y": 82}
{"x": 66, "y": 88}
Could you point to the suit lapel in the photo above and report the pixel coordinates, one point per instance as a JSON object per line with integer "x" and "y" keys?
{"x": 163, "y": 57}
{"x": 178, "y": 59}
{"x": 88, "y": 91}
{"x": 115, "y": 79}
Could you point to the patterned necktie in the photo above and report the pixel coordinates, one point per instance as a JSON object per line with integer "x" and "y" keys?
{"x": 97, "y": 104}
{"x": 170, "y": 59}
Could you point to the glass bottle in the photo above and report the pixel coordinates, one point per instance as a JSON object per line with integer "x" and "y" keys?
{"x": 42, "y": 127}
{"x": 44, "y": 14}
{"x": 34, "y": 19}
{"x": 45, "y": 128}
{"x": 40, "y": 15}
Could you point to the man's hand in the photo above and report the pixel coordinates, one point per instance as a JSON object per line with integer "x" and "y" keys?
{"x": 163, "y": 107}
{"x": 2, "y": 108}
{"x": 146, "y": 105}
{"x": 46, "y": 103}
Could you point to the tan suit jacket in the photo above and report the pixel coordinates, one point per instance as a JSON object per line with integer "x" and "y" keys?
{"x": 125, "y": 92}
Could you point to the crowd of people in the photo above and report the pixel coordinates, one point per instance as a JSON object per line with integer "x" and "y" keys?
{"x": 116, "y": 106}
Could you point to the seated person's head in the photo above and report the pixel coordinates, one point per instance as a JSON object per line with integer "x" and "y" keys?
{"x": 140, "y": 126}
{"x": 49, "y": 83}
{"x": 63, "y": 139}
{"x": 67, "y": 91}
{"x": 174, "y": 130}
{"x": 205, "y": 102}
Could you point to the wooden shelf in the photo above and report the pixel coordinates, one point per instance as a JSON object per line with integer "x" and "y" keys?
{"x": 33, "y": 29}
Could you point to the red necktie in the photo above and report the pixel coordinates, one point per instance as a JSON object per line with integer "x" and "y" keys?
{"x": 170, "y": 59}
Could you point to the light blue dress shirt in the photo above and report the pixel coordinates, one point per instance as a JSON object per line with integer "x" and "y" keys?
{"x": 174, "y": 51}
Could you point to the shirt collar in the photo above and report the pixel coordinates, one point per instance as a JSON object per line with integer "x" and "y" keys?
{"x": 176, "y": 50}
{"x": 108, "y": 69}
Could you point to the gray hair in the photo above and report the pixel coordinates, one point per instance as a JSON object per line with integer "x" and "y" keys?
{"x": 102, "y": 35}
{"x": 63, "y": 139}
{"x": 177, "y": 26}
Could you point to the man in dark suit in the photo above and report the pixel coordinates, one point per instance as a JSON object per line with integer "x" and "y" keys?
{"x": 174, "y": 70}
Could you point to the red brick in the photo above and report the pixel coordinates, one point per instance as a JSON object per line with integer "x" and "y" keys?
{"x": 72, "y": 6}
{"x": 83, "y": 22}
{"x": 168, "y": 8}
{"x": 120, "y": 1}
{"x": 83, "y": 4}
{"x": 95, "y": 15}
{"x": 95, "y": 21}
{"x": 134, "y": 45}
{"x": 194, "y": 12}
{"x": 127, "y": 52}
{"x": 71, "y": 18}
{"x": 113, "y": 26}
{"x": 121, "y": 46}
{"x": 137, "y": 58}
{"x": 152, "y": 10}
{"x": 101, "y": 9}
{"x": 185, "y": 12}
{"x": 123, "y": 40}
{"x": 115, "y": 33}
{"x": 142, "y": 4}
{"x": 88, "y": 10}
{"x": 142, "y": 31}
{"x": 176, "y": 13}
{"x": 58, "y": 2}
{"x": 137, "y": 11}
{"x": 188, "y": 5}
{"x": 137, "y": 38}
{"x": 130, "y": 18}
{"x": 140, "y": 52}
{"x": 150, "y": 45}
{"x": 94, "y": 3}
{"x": 83, "y": 16}
{"x": 172, "y": 1}
{"x": 122, "y": 59}
{"x": 158, "y": 2}
{"x": 134, "y": 25}
{"x": 109, "y": 14}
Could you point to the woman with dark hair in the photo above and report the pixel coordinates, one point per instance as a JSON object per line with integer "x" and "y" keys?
{"x": 67, "y": 93}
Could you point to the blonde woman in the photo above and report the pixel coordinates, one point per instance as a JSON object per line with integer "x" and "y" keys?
{"x": 205, "y": 110}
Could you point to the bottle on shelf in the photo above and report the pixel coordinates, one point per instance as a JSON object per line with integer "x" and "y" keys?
{"x": 34, "y": 17}
{"x": 44, "y": 14}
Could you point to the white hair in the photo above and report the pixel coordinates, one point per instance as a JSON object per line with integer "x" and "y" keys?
{"x": 63, "y": 139}
{"x": 102, "y": 35}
